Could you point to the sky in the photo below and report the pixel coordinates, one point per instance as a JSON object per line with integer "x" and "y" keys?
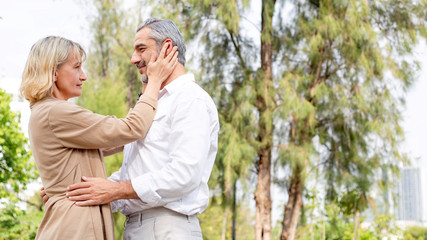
{"x": 23, "y": 22}
{"x": 415, "y": 115}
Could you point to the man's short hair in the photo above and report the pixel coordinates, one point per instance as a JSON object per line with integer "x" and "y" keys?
{"x": 163, "y": 29}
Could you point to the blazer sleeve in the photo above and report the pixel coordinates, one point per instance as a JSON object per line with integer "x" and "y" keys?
{"x": 77, "y": 127}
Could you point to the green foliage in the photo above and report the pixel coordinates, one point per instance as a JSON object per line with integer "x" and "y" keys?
{"x": 15, "y": 168}
{"x": 16, "y": 224}
{"x": 335, "y": 224}
{"x": 343, "y": 232}
{"x": 119, "y": 223}
{"x": 110, "y": 74}
{"x": 415, "y": 233}
{"x": 16, "y": 171}
{"x": 337, "y": 61}
{"x": 216, "y": 221}
{"x": 104, "y": 96}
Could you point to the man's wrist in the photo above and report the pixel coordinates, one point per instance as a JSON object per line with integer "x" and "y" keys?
{"x": 126, "y": 191}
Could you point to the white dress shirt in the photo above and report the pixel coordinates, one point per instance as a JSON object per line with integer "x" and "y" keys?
{"x": 171, "y": 166}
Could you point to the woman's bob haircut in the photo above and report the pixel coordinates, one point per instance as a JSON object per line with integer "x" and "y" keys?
{"x": 46, "y": 55}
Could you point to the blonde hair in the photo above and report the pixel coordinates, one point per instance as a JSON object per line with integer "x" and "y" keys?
{"x": 46, "y": 55}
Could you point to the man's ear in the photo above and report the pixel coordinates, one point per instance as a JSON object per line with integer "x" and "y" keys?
{"x": 170, "y": 46}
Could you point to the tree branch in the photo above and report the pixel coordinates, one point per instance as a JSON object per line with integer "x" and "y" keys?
{"x": 237, "y": 48}
{"x": 39, "y": 207}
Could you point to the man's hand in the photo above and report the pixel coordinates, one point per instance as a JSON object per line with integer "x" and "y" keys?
{"x": 98, "y": 191}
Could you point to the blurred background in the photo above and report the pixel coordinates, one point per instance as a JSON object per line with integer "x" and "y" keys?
{"x": 321, "y": 104}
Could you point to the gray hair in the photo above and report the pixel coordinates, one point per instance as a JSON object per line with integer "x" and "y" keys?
{"x": 163, "y": 29}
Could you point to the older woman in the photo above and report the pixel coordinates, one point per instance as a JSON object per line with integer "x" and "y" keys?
{"x": 67, "y": 140}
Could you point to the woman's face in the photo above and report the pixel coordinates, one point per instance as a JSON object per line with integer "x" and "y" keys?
{"x": 69, "y": 78}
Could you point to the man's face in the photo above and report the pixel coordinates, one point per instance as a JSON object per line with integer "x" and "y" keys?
{"x": 144, "y": 48}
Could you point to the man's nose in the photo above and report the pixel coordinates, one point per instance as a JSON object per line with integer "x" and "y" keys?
{"x": 135, "y": 58}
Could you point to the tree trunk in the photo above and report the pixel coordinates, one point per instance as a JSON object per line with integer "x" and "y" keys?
{"x": 311, "y": 232}
{"x": 293, "y": 207}
{"x": 265, "y": 134}
{"x": 324, "y": 230}
{"x": 356, "y": 225}
{"x": 234, "y": 212}
{"x": 224, "y": 224}
{"x": 263, "y": 199}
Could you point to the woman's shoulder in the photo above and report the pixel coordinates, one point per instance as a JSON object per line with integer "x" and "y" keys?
{"x": 49, "y": 102}
{"x": 50, "y": 106}
{"x": 66, "y": 108}
{"x": 54, "y": 104}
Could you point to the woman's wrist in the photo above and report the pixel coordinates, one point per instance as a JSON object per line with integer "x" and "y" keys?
{"x": 154, "y": 80}
{"x": 152, "y": 89}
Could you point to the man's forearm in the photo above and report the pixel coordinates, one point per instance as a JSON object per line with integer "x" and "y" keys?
{"x": 125, "y": 191}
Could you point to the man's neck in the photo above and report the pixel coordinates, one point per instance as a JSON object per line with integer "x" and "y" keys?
{"x": 178, "y": 72}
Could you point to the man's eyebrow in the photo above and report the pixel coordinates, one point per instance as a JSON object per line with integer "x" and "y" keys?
{"x": 140, "y": 45}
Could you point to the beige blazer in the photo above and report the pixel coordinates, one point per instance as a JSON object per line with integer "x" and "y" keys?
{"x": 66, "y": 142}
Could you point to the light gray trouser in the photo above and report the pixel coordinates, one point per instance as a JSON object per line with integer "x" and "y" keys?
{"x": 161, "y": 224}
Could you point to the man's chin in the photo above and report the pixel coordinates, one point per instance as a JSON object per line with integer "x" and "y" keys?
{"x": 144, "y": 78}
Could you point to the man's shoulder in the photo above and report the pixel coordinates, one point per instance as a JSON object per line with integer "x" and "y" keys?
{"x": 189, "y": 91}
{"x": 193, "y": 90}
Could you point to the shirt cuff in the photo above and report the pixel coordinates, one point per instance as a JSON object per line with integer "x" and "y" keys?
{"x": 142, "y": 186}
{"x": 148, "y": 100}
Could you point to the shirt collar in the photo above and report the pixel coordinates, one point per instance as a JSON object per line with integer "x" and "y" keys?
{"x": 176, "y": 84}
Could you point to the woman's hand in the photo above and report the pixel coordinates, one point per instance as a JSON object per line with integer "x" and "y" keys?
{"x": 158, "y": 70}
{"x": 43, "y": 195}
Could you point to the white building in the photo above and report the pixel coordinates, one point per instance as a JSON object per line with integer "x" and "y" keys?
{"x": 412, "y": 206}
